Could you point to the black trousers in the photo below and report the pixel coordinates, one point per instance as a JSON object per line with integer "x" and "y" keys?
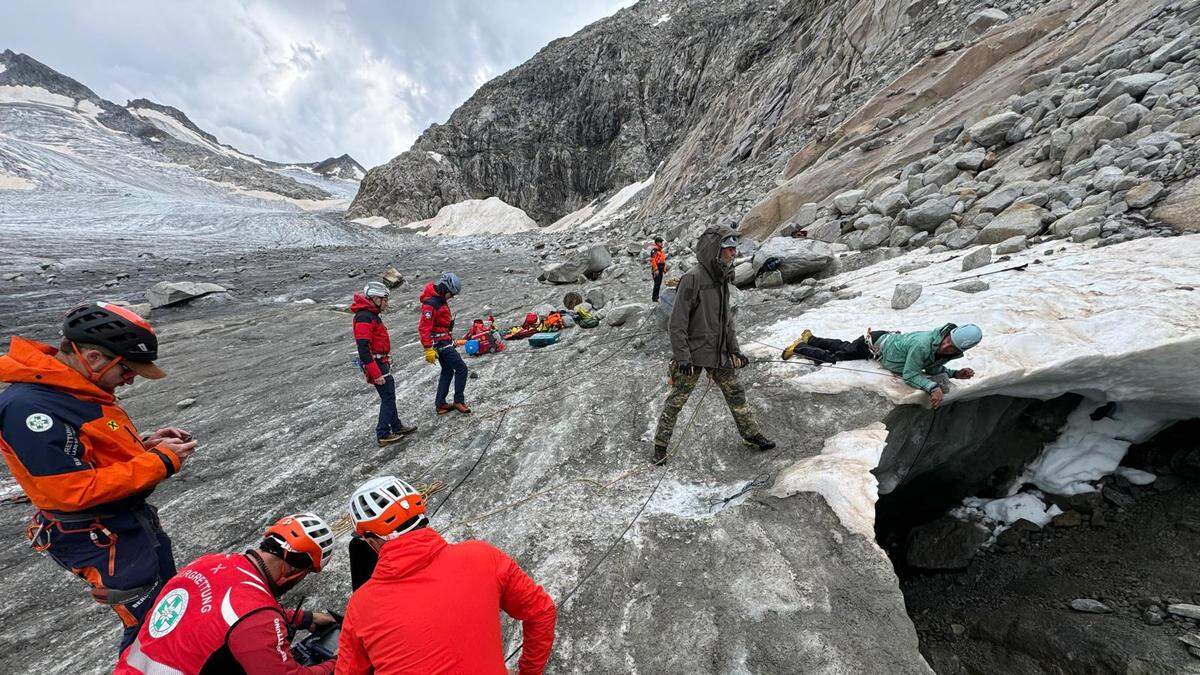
{"x": 657, "y": 286}
{"x": 832, "y": 350}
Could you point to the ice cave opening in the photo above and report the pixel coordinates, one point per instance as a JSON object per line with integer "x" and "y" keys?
{"x": 1034, "y": 536}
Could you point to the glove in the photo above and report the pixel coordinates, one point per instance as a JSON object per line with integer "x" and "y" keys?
{"x": 740, "y": 360}
{"x": 430, "y": 355}
{"x": 687, "y": 369}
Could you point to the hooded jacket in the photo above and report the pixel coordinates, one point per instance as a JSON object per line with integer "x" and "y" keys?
{"x": 914, "y": 356}
{"x": 370, "y": 335}
{"x": 432, "y": 607}
{"x": 67, "y": 442}
{"x": 658, "y": 260}
{"x": 437, "y": 324}
{"x": 701, "y": 324}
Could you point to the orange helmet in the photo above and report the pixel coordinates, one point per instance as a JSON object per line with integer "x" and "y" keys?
{"x": 303, "y": 540}
{"x": 387, "y": 507}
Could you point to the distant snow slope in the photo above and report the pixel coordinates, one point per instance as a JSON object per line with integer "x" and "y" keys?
{"x": 475, "y": 216}
{"x": 169, "y": 125}
{"x": 597, "y": 215}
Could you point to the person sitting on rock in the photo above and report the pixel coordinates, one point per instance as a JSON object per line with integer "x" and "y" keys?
{"x": 83, "y": 464}
{"x": 436, "y": 331}
{"x": 703, "y": 339}
{"x": 221, "y": 613}
{"x": 658, "y": 266}
{"x": 917, "y": 357}
{"x": 374, "y": 353}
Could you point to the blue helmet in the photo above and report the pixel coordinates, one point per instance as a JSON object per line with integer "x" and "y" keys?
{"x": 450, "y": 283}
{"x": 965, "y": 337}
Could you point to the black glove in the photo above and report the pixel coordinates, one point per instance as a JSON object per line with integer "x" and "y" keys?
{"x": 687, "y": 369}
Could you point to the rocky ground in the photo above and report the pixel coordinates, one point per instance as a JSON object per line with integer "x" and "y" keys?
{"x": 1011, "y": 610}
{"x": 752, "y": 584}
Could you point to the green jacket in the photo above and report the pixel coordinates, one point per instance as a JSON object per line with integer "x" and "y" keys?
{"x": 701, "y": 325}
{"x": 913, "y": 356}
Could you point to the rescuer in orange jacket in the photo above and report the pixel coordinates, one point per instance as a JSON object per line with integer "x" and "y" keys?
{"x": 81, "y": 461}
{"x": 658, "y": 266}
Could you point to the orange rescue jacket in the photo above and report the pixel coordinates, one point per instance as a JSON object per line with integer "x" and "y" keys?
{"x": 658, "y": 261}
{"x": 67, "y": 442}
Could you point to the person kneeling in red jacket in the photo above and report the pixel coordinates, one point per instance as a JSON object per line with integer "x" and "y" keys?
{"x": 453, "y": 592}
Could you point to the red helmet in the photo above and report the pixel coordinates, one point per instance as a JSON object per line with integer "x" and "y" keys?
{"x": 302, "y": 540}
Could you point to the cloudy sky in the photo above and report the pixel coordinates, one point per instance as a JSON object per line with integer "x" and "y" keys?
{"x": 295, "y": 81}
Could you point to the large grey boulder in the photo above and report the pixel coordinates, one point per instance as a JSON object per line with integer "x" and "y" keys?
{"x": 891, "y": 203}
{"x": 875, "y": 236}
{"x": 797, "y": 257}
{"x": 1017, "y": 220}
{"x": 945, "y": 544}
{"x": 984, "y": 20}
{"x": 618, "y": 316}
{"x": 905, "y": 295}
{"x": 1144, "y": 195}
{"x": 992, "y": 130}
{"x": 595, "y": 259}
{"x": 1077, "y": 218}
{"x": 1086, "y": 133}
{"x": 847, "y": 202}
{"x": 167, "y": 293}
{"x": 564, "y": 272}
{"x": 1000, "y": 199}
{"x": 595, "y": 297}
{"x": 827, "y": 231}
{"x": 1171, "y": 51}
{"x": 1012, "y": 245}
{"x": 980, "y": 257}
{"x": 929, "y": 215}
{"x": 1135, "y": 85}
{"x": 743, "y": 274}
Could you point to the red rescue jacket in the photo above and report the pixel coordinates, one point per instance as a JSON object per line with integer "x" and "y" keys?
{"x": 437, "y": 324}
{"x": 370, "y": 335}
{"x": 217, "y": 616}
{"x": 432, "y": 607}
{"x": 67, "y": 442}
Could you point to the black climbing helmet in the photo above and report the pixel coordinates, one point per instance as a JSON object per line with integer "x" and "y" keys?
{"x": 115, "y": 330}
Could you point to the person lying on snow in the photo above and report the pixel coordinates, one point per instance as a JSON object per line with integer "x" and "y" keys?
{"x": 916, "y": 357}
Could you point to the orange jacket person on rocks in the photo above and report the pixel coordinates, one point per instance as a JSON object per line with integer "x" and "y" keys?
{"x": 658, "y": 266}
{"x": 434, "y": 607}
{"x": 81, "y": 462}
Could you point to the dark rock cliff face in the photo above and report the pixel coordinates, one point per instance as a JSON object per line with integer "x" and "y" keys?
{"x": 587, "y": 114}
{"x": 339, "y": 167}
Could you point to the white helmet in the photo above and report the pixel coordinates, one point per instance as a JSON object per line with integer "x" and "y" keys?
{"x": 387, "y": 507}
{"x": 376, "y": 289}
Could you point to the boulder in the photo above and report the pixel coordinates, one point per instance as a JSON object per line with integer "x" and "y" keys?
{"x": 900, "y": 236}
{"x": 875, "y": 236}
{"x": 807, "y": 215}
{"x": 962, "y": 238}
{"x": 891, "y": 203}
{"x": 944, "y": 544}
{"x": 940, "y": 174}
{"x": 825, "y": 230}
{"x": 1144, "y": 195}
{"x": 1017, "y": 220}
{"x": 1090, "y": 606}
{"x": 1135, "y": 85}
{"x": 1086, "y": 133}
{"x": 167, "y": 293}
{"x": 971, "y": 161}
{"x": 770, "y": 280}
{"x": 564, "y": 272}
{"x": 847, "y": 202}
{"x": 743, "y": 274}
{"x": 1012, "y": 245}
{"x": 992, "y": 130}
{"x": 1185, "y": 610}
{"x": 595, "y": 259}
{"x": 1108, "y": 179}
{"x": 905, "y": 295}
{"x": 1000, "y": 199}
{"x": 1081, "y": 216}
{"x": 797, "y": 257}
{"x": 980, "y": 257}
{"x": 595, "y": 298}
{"x": 618, "y": 316}
{"x": 1086, "y": 233}
{"x": 392, "y": 277}
{"x": 971, "y": 286}
{"x": 984, "y": 20}
{"x": 929, "y": 215}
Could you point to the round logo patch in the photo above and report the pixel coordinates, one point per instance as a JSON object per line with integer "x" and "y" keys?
{"x": 168, "y": 613}
{"x": 39, "y": 422}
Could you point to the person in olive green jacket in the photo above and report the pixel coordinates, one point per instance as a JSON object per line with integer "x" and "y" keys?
{"x": 703, "y": 339}
{"x": 916, "y": 357}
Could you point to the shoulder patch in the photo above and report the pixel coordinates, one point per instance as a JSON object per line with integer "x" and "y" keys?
{"x": 39, "y": 422}
{"x": 168, "y": 613}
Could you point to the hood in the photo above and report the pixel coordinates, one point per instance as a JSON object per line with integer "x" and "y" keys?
{"x": 430, "y": 291}
{"x": 362, "y": 302}
{"x": 707, "y": 248}
{"x": 408, "y": 554}
{"x": 34, "y": 363}
{"x": 939, "y": 335}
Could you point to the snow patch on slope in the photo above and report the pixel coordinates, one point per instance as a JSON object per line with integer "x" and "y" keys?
{"x": 1002, "y": 513}
{"x": 374, "y": 222}
{"x": 8, "y": 182}
{"x": 175, "y": 128}
{"x": 589, "y": 218}
{"x": 36, "y": 95}
{"x": 842, "y": 475}
{"x": 475, "y": 216}
{"x": 1119, "y": 323}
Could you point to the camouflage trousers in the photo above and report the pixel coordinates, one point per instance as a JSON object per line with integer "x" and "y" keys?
{"x": 735, "y": 397}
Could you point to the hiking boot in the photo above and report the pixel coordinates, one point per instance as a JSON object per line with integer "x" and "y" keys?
{"x": 403, "y": 430}
{"x": 758, "y": 442}
{"x": 791, "y": 349}
{"x": 385, "y": 441}
{"x": 444, "y": 408}
{"x": 660, "y": 455}
{"x": 461, "y": 407}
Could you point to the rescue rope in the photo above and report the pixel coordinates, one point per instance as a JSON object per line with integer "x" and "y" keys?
{"x": 604, "y": 556}
{"x": 921, "y": 450}
{"x": 760, "y": 481}
{"x": 806, "y": 362}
